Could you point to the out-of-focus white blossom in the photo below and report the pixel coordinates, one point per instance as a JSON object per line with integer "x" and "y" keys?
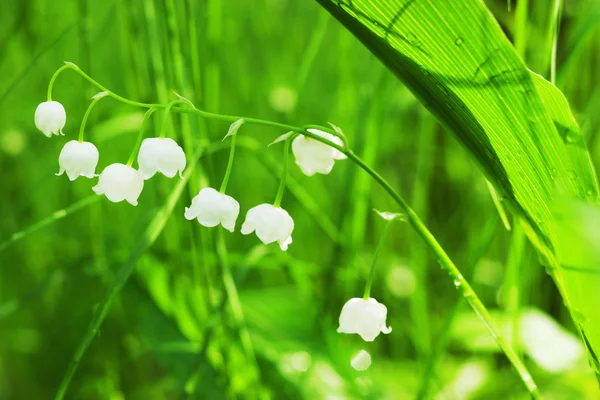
{"x": 552, "y": 347}
{"x": 272, "y": 224}
{"x": 50, "y": 118}
{"x": 162, "y": 155}
{"x": 78, "y": 159}
{"x": 212, "y": 208}
{"x": 364, "y": 317}
{"x": 315, "y": 157}
{"x": 361, "y": 361}
{"x": 120, "y": 182}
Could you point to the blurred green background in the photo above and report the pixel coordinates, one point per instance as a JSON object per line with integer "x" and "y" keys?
{"x": 175, "y": 330}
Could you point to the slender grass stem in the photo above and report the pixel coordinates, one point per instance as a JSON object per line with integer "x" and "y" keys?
{"x": 229, "y": 165}
{"x": 140, "y": 137}
{"x": 286, "y": 156}
{"x": 459, "y": 281}
{"x": 95, "y": 100}
{"x": 165, "y": 121}
{"x": 236, "y": 305}
{"x": 55, "y": 216}
{"x": 555, "y": 24}
{"x": 484, "y": 241}
{"x": 386, "y": 229}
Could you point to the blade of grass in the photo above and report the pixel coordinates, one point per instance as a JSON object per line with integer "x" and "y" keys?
{"x": 441, "y": 342}
{"x": 56, "y": 216}
{"x": 470, "y": 77}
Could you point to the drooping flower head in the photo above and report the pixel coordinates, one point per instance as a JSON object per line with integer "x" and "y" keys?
{"x": 50, "y": 118}
{"x": 78, "y": 159}
{"x": 315, "y": 157}
{"x": 212, "y": 208}
{"x": 120, "y": 182}
{"x": 364, "y": 317}
{"x": 272, "y": 224}
{"x": 162, "y": 155}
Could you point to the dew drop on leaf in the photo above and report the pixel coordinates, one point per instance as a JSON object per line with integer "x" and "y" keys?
{"x": 458, "y": 41}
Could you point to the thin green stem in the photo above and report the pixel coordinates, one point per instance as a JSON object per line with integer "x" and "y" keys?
{"x": 95, "y": 99}
{"x": 69, "y": 65}
{"x": 286, "y": 155}
{"x": 163, "y": 128}
{"x": 229, "y": 165}
{"x": 55, "y": 216}
{"x": 53, "y": 79}
{"x": 555, "y": 29}
{"x": 140, "y": 137}
{"x": 459, "y": 282}
{"x": 374, "y": 261}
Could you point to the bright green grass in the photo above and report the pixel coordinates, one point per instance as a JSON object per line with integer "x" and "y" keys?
{"x": 170, "y": 309}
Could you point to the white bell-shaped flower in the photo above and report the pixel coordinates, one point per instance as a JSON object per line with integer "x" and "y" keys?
{"x": 78, "y": 159}
{"x": 120, "y": 182}
{"x": 162, "y": 155}
{"x": 272, "y": 224}
{"x": 315, "y": 157}
{"x": 212, "y": 208}
{"x": 365, "y": 317}
{"x": 50, "y": 118}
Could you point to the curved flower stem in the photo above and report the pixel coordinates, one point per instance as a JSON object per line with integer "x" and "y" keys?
{"x": 95, "y": 99}
{"x": 229, "y": 165}
{"x": 140, "y": 137}
{"x": 51, "y": 84}
{"x": 69, "y": 65}
{"x": 443, "y": 259}
{"x": 163, "y": 127}
{"x": 374, "y": 261}
{"x": 286, "y": 156}
{"x": 459, "y": 282}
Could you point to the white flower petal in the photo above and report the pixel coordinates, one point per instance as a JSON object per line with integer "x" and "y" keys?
{"x": 119, "y": 182}
{"x": 313, "y": 156}
{"x": 78, "y": 159}
{"x": 162, "y": 155}
{"x": 364, "y": 317}
{"x": 50, "y": 118}
{"x": 212, "y": 208}
{"x": 272, "y": 224}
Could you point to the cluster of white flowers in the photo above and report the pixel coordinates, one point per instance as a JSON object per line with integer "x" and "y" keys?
{"x": 271, "y": 223}
{"x": 117, "y": 181}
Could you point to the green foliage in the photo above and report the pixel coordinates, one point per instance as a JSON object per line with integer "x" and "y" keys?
{"x": 517, "y": 125}
{"x": 181, "y": 311}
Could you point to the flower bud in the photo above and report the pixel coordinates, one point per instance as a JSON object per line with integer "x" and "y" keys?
{"x": 364, "y": 317}
{"x": 78, "y": 159}
{"x": 272, "y": 224}
{"x": 162, "y": 155}
{"x": 50, "y": 118}
{"x": 315, "y": 157}
{"x": 212, "y": 208}
{"x": 120, "y": 182}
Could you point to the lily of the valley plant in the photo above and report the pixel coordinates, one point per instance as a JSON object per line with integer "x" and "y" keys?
{"x": 271, "y": 223}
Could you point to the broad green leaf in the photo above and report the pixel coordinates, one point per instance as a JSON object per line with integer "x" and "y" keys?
{"x": 455, "y": 58}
